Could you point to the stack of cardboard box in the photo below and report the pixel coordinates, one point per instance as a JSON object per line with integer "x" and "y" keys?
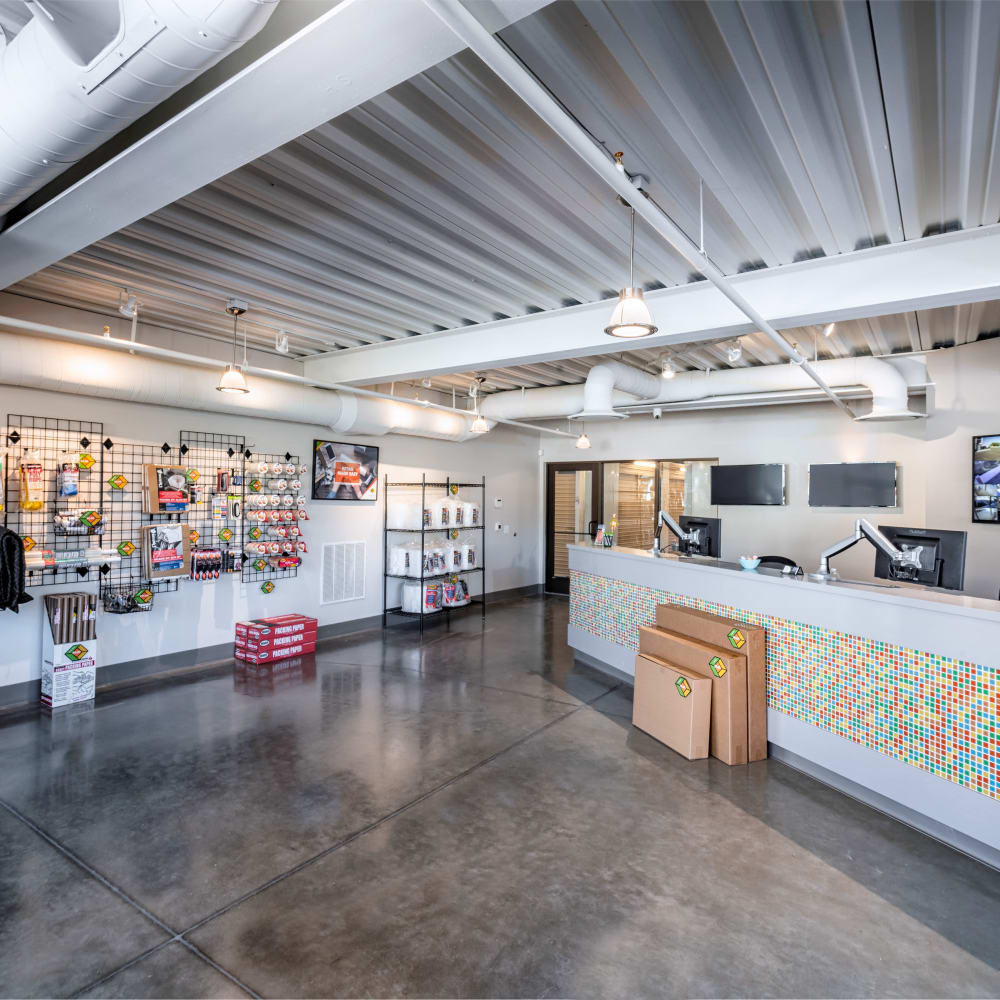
{"x": 264, "y": 640}
{"x": 700, "y": 685}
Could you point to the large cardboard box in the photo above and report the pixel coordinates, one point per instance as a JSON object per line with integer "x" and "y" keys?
{"x": 261, "y": 628}
{"x": 672, "y": 705}
{"x": 254, "y": 644}
{"x": 728, "y": 737}
{"x": 750, "y": 640}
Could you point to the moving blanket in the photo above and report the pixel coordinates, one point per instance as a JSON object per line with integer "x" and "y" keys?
{"x": 12, "y": 571}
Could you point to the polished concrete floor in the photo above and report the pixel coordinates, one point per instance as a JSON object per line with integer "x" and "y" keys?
{"x": 466, "y": 816}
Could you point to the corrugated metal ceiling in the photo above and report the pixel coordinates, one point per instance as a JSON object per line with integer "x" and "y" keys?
{"x": 816, "y": 127}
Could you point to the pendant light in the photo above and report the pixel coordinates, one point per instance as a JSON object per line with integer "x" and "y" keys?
{"x": 479, "y": 425}
{"x": 233, "y": 379}
{"x": 631, "y": 318}
{"x": 583, "y": 442}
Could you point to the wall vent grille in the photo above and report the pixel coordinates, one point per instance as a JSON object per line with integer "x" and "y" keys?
{"x": 342, "y": 576}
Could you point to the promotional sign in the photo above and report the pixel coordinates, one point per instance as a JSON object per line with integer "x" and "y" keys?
{"x": 344, "y": 471}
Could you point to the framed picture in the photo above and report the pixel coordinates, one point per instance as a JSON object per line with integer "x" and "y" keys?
{"x": 985, "y": 478}
{"x": 344, "y": 471}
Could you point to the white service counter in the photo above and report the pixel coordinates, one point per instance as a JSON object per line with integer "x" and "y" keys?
{"x": 892, "y": 692}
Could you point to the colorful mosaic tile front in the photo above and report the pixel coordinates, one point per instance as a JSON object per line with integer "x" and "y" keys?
{"x": 938, "y": 714}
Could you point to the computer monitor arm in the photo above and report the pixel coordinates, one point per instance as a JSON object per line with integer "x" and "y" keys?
{"x": 906, "y": 561}
{"x": 664, "y": 518}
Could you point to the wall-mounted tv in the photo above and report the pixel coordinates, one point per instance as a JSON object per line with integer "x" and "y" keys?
{"x": 985, "y": 478}
{"x": 344, "y": 471}
{"x": 753, "y": 485}
{"x": 853, "y": 484}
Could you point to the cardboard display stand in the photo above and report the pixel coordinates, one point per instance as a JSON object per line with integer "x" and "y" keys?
{"x": 673, "y": 706}
{"x": 734, "y": 636}
{"x": 69, "y": 649}
{"x": 728, "y": 738}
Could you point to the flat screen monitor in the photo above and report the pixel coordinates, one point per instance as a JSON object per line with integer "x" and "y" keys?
{"x": 709, "y": 541}
{"x": 853, "y": 484}
{"x": 942, "y": 556}
{"x": 986, "y": 479}
{"x": 748, "y": 484}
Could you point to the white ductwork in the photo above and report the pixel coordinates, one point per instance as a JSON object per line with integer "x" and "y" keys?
{"x": 78, "y": 73}
{"x": 33, "y": 363}
{"x": 612, "y": 385}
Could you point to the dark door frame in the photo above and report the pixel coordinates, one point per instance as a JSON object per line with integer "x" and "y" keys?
{"x": 597, "y": 492}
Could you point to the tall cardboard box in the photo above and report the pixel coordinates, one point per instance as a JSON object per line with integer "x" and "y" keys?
{"x": 728, "y": 736}
{"x": 673, "y": 706}
{"x": 736, "y": 636}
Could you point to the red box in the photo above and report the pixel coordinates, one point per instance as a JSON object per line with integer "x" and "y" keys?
{"x": 260, "y": 628}
{"x": 254, "y": 643}
{"x": 269, "y": 655}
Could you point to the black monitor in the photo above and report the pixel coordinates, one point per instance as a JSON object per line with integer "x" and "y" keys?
{"x": 709, "y": 542}
{"x": 853, "y": 484}
{"x": 942, "y": 556}
{"x": 748, "y": 484}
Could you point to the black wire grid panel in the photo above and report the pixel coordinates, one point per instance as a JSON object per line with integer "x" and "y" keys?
{"x": 61, "y": 543}
{"x": 215, "y": 516}
{"x": 427, "y": 538}
{"x": 126, "y": 587}
{"x": 263, "y": 568}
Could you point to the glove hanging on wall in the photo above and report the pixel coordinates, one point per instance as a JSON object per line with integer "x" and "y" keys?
{"x": 12, "y": 571}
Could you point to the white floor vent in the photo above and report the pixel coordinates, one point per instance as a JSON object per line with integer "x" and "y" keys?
{"x": 343, "y": 572}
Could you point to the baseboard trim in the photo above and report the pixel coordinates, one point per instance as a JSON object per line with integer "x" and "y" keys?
{"x": 26, "y": 694}
{"x": 953, "y": 838}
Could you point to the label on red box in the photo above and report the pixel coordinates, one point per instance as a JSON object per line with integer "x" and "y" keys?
{"x": 266, "y": 655}
{"x": 276, "y": 625}
{"x": 253, "y": 642}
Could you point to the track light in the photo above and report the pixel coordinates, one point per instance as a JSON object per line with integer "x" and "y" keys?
{"x": 734, "y": 352}
{"x": 631, "y": 318}
{"x": 127, "y": 304}
{"x": 232, "y": 379}
{"x": 479, "y": 425}
{"x": 828, "y": 329}
{"x": 667, "y": 369}
{"x": 281, "y": 342}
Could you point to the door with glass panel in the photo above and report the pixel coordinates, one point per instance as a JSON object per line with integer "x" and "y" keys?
{"x": 572, "y": 506}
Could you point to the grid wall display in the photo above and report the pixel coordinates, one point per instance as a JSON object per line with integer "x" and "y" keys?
{"x": 932, "y": 712}
{"x": 127, "y": 586}
{"x": 275, "y": 518}
{"x": 59, "y": 515}
{"x": 215, "y": 516}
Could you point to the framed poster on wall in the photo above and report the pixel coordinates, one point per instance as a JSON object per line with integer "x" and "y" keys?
{"x": 985, "y": 478}
{"x": 344, "y": 471}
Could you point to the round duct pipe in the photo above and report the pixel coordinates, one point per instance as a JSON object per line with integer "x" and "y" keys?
{"x": 35, "y": 363}
{"x": 611, "y": 384}
{"x": 78, "y": 73}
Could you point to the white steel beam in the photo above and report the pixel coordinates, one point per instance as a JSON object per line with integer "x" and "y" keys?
{"x": 352, "y": 53}
{"x": 950, "y": 269}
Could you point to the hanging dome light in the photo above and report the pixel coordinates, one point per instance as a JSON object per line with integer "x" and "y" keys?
{"x": 233, "y": 379}
{"x": 631, "y": 318}
{"x": 583, "y": 442}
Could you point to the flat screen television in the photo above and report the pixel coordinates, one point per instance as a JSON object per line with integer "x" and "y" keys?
{"x": 752, "y": 485}
{"x": 344, "y": 471}
{"x": 853, "y": 484}
{"x": 986, "y": 478}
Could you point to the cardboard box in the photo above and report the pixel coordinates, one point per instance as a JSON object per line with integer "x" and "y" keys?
{"x": 749, "y": 640}
{"x": 69, "y": 671}
{"x": 253, "y": 643}
{"x": 271, "y": 654}
{"x": 166, "y": 550}
{"x": 728, "y": 738}
{"x": 673, "y": 706}
{"x": 165, "y": 489}
{"x": 260, "y": 628}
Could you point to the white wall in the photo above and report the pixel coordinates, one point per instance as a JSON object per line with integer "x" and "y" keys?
{"x": 202, "y": 614}
{"x": 933, "y": 455}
